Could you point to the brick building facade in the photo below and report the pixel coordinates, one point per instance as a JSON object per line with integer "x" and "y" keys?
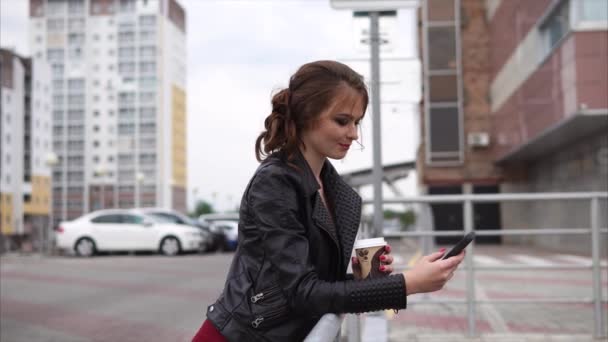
{"x": 531, "y": 85}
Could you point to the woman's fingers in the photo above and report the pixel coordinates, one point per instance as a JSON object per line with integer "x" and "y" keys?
{"x": 436, "y": 256}
{"x": 386, "y": 259}
{"x": 386, "y": 268}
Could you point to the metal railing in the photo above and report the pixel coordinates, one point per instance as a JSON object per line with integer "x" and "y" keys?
{"x": 328, "y": 328}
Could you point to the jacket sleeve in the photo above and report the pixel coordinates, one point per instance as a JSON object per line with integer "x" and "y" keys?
{"x": 273, "y": 200}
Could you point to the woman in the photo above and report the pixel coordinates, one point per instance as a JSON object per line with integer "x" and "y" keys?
{"x": 299, "y": 219}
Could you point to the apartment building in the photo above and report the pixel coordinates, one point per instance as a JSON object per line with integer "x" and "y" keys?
{"x": 118, "y": 71}
{"x": 515, "y": 100}
{"x": 25, "y": 148}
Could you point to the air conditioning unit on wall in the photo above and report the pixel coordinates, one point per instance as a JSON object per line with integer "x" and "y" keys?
{"x": 478, "y": 139}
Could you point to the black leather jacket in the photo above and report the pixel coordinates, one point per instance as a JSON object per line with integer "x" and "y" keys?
{"x": 290, "y": 265}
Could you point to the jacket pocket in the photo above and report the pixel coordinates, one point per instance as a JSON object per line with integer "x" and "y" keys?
{"x": 266, "y": 295}
{"x": 270, "y": 318}
{"x": 268, "y": 307}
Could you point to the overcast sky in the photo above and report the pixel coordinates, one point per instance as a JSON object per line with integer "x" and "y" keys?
{"x": 239, "y": 54}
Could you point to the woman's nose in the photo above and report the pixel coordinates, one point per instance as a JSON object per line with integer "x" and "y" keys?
{"x": 353, "y": 132}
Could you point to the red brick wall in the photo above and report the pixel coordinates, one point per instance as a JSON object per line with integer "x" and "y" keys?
{"x": 592, "y": 68}
{"x": 478, "y": 166}
{"x": 509, "y": 25}
{"x": 574, "y": 74}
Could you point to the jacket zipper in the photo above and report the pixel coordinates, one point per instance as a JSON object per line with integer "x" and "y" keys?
{"x": 265, "y": 293}
{"x": 267, "y": 317}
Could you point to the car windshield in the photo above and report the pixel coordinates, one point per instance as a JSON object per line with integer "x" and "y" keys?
{"x": 158, "y": 218}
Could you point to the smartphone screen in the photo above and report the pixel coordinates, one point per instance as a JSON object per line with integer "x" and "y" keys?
{"x": 462, "y": 244}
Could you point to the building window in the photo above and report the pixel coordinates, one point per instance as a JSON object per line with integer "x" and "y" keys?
{"x": 594, "y": 10}
{"x": 55, "y": 55}
{"x": 443, "y": 142}
{"x": 76, "y": 24}
{"x": 147, "y": 20}
{"x": 557, "y": 25}
{"x": 76, "y": 84}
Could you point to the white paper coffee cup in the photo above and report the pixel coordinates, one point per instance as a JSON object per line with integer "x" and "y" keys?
{"x": 368, "y": 252}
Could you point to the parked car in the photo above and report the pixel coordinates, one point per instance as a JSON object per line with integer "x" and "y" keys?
{"x": 207, "y": 220}
{"x": 126, "y": 230}
{"x": 210, "y": 241}
{"x": 230, "y": 230}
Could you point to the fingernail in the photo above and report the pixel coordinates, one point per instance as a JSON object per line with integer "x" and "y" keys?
{"x": 388, "y": 248}
{"x": 442, "y": 250}
{"x": 382, "y": 257}
{"x": 382, "y": 268}
{"x": 354, "y": 260}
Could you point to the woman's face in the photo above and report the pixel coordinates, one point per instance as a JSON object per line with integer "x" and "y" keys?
{"x": 332, "y": 134}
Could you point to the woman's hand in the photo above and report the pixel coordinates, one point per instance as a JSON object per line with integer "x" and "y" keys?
{"x": 386, "y": 261}
{"x": 430, "y": 273}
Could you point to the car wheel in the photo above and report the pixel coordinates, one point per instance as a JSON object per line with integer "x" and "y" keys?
{"x": 170, "y": 246}
{"x": 85, "y": 247}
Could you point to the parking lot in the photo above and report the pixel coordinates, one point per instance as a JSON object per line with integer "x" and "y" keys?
{"x": 155, "y": 298}
{"x": 107, "y": 298}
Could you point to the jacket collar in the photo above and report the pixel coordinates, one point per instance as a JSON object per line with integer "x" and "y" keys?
{"x": 346, "y": 201}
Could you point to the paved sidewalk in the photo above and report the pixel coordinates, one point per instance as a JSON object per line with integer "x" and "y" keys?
{"x": 499, "y": 338}
{"x": 531, "y": 321}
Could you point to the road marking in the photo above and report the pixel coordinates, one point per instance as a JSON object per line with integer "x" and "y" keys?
{"x": 391, "y": 313}
{"x": 413, "y": 260}
{"x": 494, "y": 318}
{"x": 575, "y": 259}
{"x": 487, "y": 260}
{"x": 530, "y": 260}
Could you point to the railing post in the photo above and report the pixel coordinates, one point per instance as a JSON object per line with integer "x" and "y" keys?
{"x": 470, "y": 281}
{"x": 353, "y": 328}
{"x": 597, "y": 275}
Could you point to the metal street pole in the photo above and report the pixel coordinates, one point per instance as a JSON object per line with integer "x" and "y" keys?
{"x": 376, "y": 127}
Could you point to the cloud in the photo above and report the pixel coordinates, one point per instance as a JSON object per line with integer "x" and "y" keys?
{"x": 238, "y": 53}
{"x": 13, "y": 25}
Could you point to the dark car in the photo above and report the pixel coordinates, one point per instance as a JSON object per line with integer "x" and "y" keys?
{"x": 211, "y": 241}
{"x": 221, "y": 234}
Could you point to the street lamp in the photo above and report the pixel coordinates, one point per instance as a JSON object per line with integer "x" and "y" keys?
{"x": 51, "y": 161}
{"x": 101, "y": 172}
{"x": 139, "y": 179}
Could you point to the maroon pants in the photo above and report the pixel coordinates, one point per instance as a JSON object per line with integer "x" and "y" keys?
{"x": 208, "y": 333}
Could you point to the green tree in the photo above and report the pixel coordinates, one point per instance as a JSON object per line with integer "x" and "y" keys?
{"x": 202, "y": 207}
{"x": 406, "y": 218}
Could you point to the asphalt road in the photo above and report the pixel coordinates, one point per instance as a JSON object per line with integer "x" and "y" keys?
{"x": 155, "y": 298}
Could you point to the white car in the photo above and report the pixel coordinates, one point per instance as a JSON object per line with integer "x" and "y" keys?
{"x": 126, "y": 230}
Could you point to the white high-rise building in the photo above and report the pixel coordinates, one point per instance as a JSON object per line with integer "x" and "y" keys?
{"x": 25, "y": 147}
{"x": 118, "y": 70}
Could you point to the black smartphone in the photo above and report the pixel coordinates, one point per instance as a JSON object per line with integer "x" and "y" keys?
{"x": 462, "y": 244}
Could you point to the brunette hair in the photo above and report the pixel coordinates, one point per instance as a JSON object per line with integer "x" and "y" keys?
{"x": 312, "y": 89}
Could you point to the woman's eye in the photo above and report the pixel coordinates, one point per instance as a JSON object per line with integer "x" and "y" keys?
{"x": 342, "y": 122}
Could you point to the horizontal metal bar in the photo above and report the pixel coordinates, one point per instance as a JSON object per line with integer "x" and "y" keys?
{"x": 510, "y": 267}
{"x": 558, "y": 300}
{"x": 493, "y": 232}
{"x": 480, "y": 198}
{"x": 536, "y": 267}
{"x": 326, "y": 329}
